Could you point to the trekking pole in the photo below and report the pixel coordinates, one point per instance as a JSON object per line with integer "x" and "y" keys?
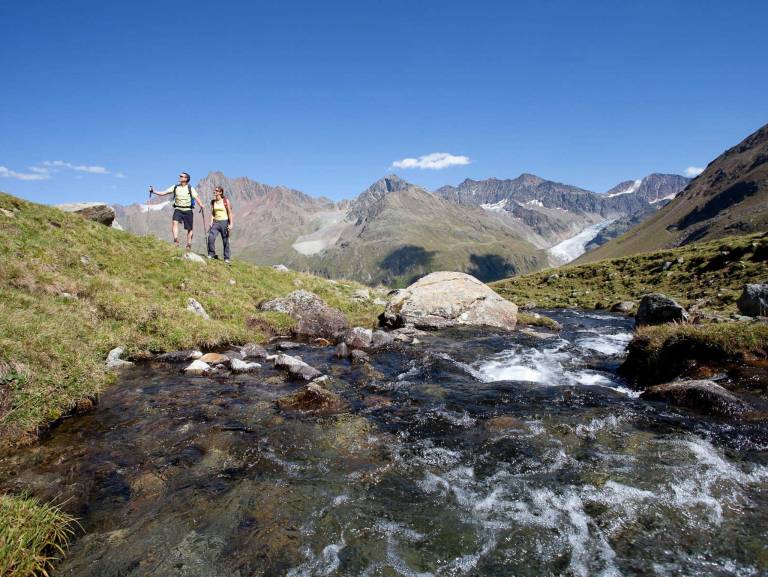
{"x": 148, "y": 202}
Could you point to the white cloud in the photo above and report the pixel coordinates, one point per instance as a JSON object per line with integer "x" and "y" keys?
{"x": 8, "y": 173}
{"x": 692, "y": 171}
{"x": 433, "y": 161}
{"x": 78, "y": 167}
{"x": 39, "y": 169}
{"x": 119, "y": 175}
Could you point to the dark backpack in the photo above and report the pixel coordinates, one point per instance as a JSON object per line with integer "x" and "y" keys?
{"x": 191, "y": 198}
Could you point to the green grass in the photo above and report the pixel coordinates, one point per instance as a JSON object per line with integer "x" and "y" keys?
{"x": 131, "y": 291}
{"x": 32, "y": 535}
{"x": 710, "y": 275}
{"x": 726, "y": 340}
{"x": 662, "y": 353}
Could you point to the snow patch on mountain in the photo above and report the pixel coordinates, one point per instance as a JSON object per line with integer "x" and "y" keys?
{"x": 629, "y": 190}
{"x": 574, "y": 247}
{"x": 496, "y": 206}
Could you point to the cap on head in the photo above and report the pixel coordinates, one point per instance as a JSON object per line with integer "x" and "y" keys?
{"x": 186, "y": 174}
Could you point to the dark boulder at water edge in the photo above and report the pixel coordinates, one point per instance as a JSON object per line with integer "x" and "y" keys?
{"x": 656, "y": 308}
{"x": 753, "y": 302}
{"x": 701, "y": 395}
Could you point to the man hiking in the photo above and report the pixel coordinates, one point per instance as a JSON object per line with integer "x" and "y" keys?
{"x": 221, "y": 212}
{"x": 184, "y": 199}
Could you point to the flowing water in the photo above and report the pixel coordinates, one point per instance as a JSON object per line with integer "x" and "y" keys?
{"x": 471, "y": 453}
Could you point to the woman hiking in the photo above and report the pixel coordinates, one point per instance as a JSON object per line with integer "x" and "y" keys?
{"x": 222, "y": 223}
{"x": 184, "y": 198}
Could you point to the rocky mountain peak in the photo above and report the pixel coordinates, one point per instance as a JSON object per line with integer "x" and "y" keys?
{"x": 370, "y": 201}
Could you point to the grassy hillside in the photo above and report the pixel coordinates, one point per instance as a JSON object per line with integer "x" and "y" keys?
{"x": 711, "y": 274}
{"x": 71, "y": 290}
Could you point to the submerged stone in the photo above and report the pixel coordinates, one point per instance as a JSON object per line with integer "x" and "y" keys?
{"x": 315, "y": 399}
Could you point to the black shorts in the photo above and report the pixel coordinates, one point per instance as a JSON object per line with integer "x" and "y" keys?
{"x": 187, "y": 217}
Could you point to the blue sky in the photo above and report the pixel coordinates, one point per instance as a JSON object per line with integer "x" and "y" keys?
{"x": 101, "y": 99}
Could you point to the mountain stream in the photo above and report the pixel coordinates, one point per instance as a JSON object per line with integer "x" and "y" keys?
{"x": 472, "y": 453}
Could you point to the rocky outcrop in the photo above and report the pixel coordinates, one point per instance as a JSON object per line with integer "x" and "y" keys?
{"x": 313, "y": 399}
{"x": 753, "y": 301}
{"x": 656, "y": 309}
{"x": 95, "y": 211}
{"x": 447, "y": 299}
{"x": 702, "y": 395}
{"x": 314, "y": 317}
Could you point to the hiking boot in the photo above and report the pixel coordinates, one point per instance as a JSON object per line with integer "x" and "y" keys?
{"x": 212, "y": 256}
{"x": 227, "y": 261}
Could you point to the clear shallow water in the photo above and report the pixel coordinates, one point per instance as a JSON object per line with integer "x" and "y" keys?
{"x": 447, "y": 464}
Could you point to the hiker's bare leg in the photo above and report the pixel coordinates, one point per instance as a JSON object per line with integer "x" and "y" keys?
{"x": 189, "y": 240}
{"x": 175, "y": 232}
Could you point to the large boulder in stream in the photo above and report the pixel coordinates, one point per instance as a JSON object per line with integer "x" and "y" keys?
{"x": 314, "y": 317}
{"x": 657, "y": 308}
{"x": 446, "y": 299}
{"x": 701, "y": 395}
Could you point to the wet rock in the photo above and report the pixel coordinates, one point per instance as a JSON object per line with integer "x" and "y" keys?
{"x": 296, "y": 367}
{"x": 359, "y": 338}
{"x": 196, "y": 308}
{"x": 504, "y": 423}
{"x": 657, "y": 308}
{"x": 381, "y": 339}
{"x": 215, "y": 359}
{"x": 753, "y": 301}
{"x": 194, "y": 257}
{"x": 446, "y": 299}
{"x": 239, "y": 366}
{"x": 253, "y": 351}
{"x": 197, "y": 367}
{"x": 313, "y": 398}
{"x": 234, "y": 354}
{"x": 315, "y": 318}
{"x": 342, "y": 351}
{"x": 96, "y": 211}
{"x": 114, "y": 361}
{"x": 287, "y": 345}
{"x": 321, "y": 342}
{"x": 359, "y": 357}
{"x": 624, "y": 307}
{"x": 179, "y": 356}
{"x": 703, "y": 396}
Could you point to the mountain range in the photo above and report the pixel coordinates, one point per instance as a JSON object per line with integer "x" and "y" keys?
{"x": 729, "y": 198}
{"x": 395, "y": 231}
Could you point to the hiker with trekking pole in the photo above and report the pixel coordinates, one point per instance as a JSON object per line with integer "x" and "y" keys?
{"x": 221, "y": 223}
{"x": 184, "y": 199}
